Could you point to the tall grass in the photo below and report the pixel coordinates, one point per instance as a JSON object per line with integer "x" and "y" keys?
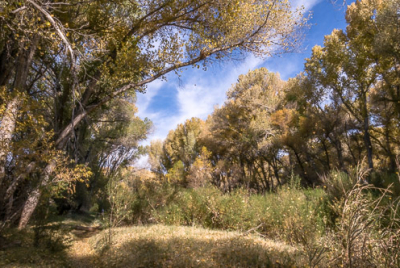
{"x": 278, "y": 215}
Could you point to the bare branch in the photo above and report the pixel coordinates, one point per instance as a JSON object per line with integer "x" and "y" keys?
{"x": 58, "y": 30}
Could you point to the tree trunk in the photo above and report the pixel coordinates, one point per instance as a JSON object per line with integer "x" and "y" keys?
{"x": 339, "y": 151}
{"x": 328, "y": 162}
{"x": 9, "y": 119}
{"x": 367, "y": 137}
{"x": 6, "y": 61}
{"x": 392, "y": 158}
{"x": 276, "y": 171}
{"x": 303, "y": 171}
{"x": 8, "y": 123}
{"x": 13, "y": 185}
{"x": 34, "y": 196}
{"x": 367, "y": 142}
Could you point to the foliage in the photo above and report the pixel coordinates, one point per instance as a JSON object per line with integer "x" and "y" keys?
{"x": 200, "y": 173}
{"x": 52, "y": 238}
{"x": 278, "y": 215}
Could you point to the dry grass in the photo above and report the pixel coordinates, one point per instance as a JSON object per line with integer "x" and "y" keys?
{"x": 177, "y": 246}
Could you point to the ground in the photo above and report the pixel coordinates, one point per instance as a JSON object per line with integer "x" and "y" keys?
{"x": 149, "y": 246}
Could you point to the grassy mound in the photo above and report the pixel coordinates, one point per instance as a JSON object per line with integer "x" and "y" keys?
{"x": 177, "y": 246}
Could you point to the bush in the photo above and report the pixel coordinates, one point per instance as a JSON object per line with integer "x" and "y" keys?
{"x": 282, "y": 214}
{"x": 367, "y": 233}
{"x": 52, "y": 237}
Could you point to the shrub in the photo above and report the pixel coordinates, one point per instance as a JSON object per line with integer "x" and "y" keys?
{"x": 367, "y": 228}
{"x": 52, "y": 237}
{"x": 279, "y": 215}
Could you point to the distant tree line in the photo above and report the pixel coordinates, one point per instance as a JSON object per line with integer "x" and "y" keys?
{"x": 344, "y": 107}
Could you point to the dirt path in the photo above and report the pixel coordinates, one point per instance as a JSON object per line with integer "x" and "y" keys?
{"x": 81, "y": 253}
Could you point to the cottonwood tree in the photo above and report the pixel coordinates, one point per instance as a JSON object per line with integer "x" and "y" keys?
{"x": 240, "y": 132}
{"x": 181, "y": 148}
{"x": 346, "y": 70}
{"x": 156, "y": 156}
{"x": 359, "y": 67}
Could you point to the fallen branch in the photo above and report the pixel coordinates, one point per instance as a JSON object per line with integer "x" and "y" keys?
{"x": 254, "y": 229}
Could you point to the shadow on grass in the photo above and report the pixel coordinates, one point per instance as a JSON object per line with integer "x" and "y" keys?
{"x": 75, "y": 216}
{"x": 26, "y": 255}
{"x": 43, "y": 245}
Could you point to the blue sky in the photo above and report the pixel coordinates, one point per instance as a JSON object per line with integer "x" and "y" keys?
{"x": 197, "y": 92}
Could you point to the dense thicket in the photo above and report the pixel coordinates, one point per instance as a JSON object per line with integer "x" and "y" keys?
{"x": 343, "y": 108}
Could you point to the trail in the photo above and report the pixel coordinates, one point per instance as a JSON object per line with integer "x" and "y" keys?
{"x": 81, "y": 254}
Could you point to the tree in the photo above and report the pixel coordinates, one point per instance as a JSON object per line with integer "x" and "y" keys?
{"x": 156, "y": 155}
{"x": 345, "y": 106}
{"x": 241, "y": 131}
{"x": 327, "y": 123}
{"x": 181, "y": 147}
{"x": 346, "y": 70}
{"x": 358, "y": 67}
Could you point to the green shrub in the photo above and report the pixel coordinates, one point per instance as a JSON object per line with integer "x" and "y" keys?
{"x": 51, "y": 237}
{"x": 282, "y": 214}
{"x": 291, "y": 210}
{"x": 190, "y": 207}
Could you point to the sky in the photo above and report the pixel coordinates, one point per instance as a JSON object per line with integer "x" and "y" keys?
{"x": 197, "y": 92}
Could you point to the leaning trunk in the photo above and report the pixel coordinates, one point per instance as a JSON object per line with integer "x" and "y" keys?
{"x": 34, "y": 196}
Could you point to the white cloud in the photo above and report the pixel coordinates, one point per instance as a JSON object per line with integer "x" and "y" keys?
{"x": 196, "y": 101}
{"x": 307, "y": 4}
{"x": 143, "y": 100}
{"x": 201, "y": 90}
{"x": 142, "y": 162}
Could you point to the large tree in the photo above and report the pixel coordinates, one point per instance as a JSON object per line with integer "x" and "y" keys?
{"x": 241, "y": 133}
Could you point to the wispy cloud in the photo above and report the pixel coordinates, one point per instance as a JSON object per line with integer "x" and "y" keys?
{"x": 199, "y": 91}
{"x": 307, "y": 4}
{"x": 144, "y": 99}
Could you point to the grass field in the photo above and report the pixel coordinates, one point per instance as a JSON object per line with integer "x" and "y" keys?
{"x": 155, "y": 246}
